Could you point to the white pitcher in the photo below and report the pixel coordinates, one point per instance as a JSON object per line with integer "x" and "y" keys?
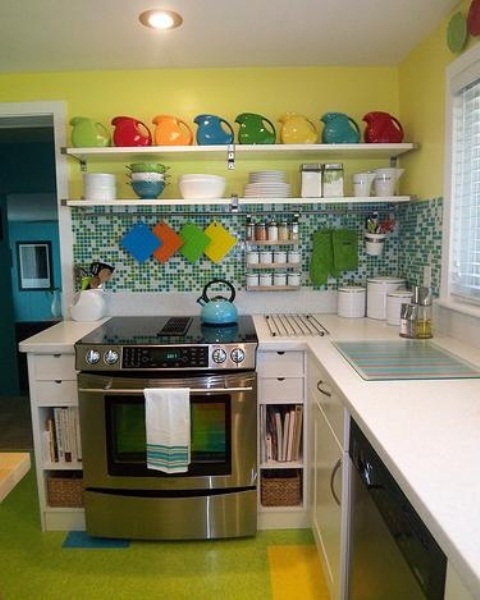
{"x": 88, "y": 305}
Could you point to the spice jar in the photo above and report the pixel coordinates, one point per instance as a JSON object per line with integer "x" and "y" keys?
{"x": 272, "y": 230}
{"x": 261, "y": 231}
{"x": 283, "y": 233}
{"x": 333, "y": 180}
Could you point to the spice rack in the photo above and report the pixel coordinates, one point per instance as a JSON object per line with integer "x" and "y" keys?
{"x": 273, "y": 259}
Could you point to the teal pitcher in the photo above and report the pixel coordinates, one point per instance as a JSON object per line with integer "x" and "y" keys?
{"x": 255, "y": 129}
{"x": 339, "y": 129}
{"x": 87, "y": 133}
{"x": 213, "y": 130}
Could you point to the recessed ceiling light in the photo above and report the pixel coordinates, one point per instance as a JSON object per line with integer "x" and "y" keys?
{"x": 160, "y": 19}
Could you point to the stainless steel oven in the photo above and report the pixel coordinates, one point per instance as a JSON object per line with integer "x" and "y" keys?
{"x": 216, "y": 496}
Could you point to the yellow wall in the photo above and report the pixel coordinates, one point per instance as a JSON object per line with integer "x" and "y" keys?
{"x": 422, "y": 108}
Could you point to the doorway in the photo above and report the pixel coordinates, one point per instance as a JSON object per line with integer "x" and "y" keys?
{"x": 33, "y": 180}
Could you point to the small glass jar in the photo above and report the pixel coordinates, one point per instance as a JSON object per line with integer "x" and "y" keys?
{"x": 280, "y": 256}
{"x": 333, "y": 180}
{"x": 265, "y": 279}
{"x": 253, "y": 258}
{"x": 272, "y": 230}
{"x": 293, "y": 279}
{"x": 261, "y": 231}
{"x": 266, "y": 257}
{"x": 293, "y": 257}
{"x": 252, "y": 280}
{"x": 280, "y": 278}
{"x": 283, "y": 230}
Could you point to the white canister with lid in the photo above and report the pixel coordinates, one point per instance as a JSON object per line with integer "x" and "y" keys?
{"x": 377, "y": 290}
{"x": 351, "y": 301}
{"x": 395, "y": 299}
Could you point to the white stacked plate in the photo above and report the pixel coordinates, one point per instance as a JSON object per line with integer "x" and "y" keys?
{"x": 99, "y": 186}
{"x": 267, "y": 184}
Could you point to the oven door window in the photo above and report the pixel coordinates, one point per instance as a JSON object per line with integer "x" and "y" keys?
{"x": 210, "y": 442}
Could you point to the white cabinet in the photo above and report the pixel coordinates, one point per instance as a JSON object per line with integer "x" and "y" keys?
{"x": 454, "y": 588}
{"x": 329, "y": 475}
{"x": 54, "y": 407}
{"x": 281, "y": 439}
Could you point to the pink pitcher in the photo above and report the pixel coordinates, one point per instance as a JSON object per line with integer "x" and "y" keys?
{"x": 172, "y": 131}
{"x": 130, "y": 132}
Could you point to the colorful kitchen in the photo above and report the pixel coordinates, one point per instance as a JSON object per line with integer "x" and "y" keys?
{"x": 240, "y": 346}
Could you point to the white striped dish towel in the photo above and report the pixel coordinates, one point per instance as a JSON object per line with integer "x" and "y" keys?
{"x": 167, "y": 424}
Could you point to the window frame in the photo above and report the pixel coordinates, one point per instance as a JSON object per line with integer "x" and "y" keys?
{"x": 462, "y": 72}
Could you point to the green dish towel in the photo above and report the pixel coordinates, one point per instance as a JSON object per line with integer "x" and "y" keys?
{"x": 321, "y": 263}
{"x": 345, "y": 251}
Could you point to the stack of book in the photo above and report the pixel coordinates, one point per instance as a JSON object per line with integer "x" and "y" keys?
{"x": 62, "y": 435}
{"x": 281, "y": 432}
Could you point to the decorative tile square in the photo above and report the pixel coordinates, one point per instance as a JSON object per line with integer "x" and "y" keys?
{"x": 194, "y": 242}
{"x": 140, "y": 242}
{"x": 222, "y": 241}
{"x": 171, "y": 241}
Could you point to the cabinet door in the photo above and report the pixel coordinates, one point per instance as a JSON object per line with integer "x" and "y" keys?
{"x": 326, "y": 494}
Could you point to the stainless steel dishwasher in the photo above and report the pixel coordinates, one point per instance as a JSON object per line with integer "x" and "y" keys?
{"x": 392, "y": 554}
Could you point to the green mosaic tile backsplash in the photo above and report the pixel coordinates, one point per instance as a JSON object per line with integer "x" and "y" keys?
{"x": 415, "y": 242}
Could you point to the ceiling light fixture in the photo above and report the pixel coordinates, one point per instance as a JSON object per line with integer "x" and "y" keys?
{"x": 160, "y": 19}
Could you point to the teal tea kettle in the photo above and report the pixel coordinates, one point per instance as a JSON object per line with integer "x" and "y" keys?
{"x": 340, "y": 129}
{"x": 218, "y": 310}
{"x": 213, "y": 130}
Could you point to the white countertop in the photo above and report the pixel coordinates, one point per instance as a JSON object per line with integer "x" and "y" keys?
{"x": 426, "y": 431}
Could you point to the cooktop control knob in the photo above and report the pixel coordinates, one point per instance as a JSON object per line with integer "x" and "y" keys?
{"x": 92, "y": 357}
{"x": 111, "y": 357}
{"x": 237, "y": 355}
{"x": 219, "y": 355}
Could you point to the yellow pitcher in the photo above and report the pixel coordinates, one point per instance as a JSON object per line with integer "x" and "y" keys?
{"x": 297, "y": 129}
{"x": 171, "y": 131}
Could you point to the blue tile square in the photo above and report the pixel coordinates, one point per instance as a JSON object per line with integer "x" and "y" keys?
{"x": 140, "y": 242}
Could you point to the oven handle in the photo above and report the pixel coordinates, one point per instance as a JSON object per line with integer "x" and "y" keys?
{"x": 139, "y": 392}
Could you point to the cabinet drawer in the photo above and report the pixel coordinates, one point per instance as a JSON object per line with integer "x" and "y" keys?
{"x": 281, "y": 389}
{"x": 280, "y": 364}
{"x": 55, "y": 366}
{"x": 56, "y": 393}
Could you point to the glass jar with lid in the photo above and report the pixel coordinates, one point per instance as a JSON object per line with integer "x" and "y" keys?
{"x": 333, "y": 180}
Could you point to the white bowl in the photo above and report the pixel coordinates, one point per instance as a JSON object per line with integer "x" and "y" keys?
{"x": 202, "y": 188}
{"x": 200, "y": 177}
{"x": 147, "y": 176}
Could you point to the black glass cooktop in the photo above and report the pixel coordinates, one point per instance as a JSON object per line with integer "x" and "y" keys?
{"x": 146, "y": 331}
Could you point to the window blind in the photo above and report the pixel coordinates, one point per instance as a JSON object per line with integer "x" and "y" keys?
{"x": 464, "y": 272}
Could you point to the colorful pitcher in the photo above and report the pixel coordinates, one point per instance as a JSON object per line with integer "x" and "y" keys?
{"x": 130, "y": 132}
{"x": 255, "y": 129}
{"x": 213, "y": 130}
{"x": 339, "y": 129}
{"x": 382, "y": 128}
{"x": 297, "y": 129}
{"x": 172, "y": 131}
{"x": 87, "y": 133}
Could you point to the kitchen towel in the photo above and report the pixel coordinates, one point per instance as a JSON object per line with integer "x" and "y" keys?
{"x": 345, "y": 251}
{"x": 167, "y": 425}
{"x": 321, "y": 262}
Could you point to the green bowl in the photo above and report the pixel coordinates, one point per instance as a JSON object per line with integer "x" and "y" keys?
{"x": 147, "y": 168}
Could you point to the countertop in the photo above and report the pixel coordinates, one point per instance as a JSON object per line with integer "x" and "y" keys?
{"x": 426, "y": 431}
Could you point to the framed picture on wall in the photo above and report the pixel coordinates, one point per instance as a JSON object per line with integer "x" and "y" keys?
{"x": 34, "y": 265}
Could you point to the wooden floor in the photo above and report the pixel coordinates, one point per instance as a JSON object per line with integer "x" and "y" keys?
{"x": 15, "y": 423}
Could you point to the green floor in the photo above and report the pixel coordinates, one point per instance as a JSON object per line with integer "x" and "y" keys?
{"x": 33, "y": 565}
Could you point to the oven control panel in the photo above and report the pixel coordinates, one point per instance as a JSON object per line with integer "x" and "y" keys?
{"x": 164, "y": 358}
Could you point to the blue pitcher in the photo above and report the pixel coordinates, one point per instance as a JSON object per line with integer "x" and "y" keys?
{"x": 340, "y": 129}
{"x": 213, "y": 130}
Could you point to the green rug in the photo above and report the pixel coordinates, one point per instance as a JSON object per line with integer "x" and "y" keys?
{"x": 35, "y": 565}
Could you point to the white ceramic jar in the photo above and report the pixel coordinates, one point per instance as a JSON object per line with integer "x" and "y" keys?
{"x": 351, "y": 301}
{"x": 377, "y": 290}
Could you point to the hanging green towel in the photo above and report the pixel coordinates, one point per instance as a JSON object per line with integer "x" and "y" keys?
{"x": 321, "y": 263}
{"x": 345, "y": 251}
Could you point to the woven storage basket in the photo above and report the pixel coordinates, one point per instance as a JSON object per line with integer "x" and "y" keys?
{"x": 65, "y": 491}
{"x": 281, "y": 488}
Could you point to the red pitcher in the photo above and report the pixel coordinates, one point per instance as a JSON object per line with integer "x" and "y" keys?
{"x": 130, "y": 132}
{"x": 382, "y": 128}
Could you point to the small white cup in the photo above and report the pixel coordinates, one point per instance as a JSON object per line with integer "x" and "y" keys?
{"x": 374, "y": 243}
{"x": 279, "y": 256}
{"x": 279, "y": 278}
{"x": 265, "y": 279}
{"x": 253, "y": 258}
{"x": 293, "y": 279}
{"x": 293, "y": 257}
{"x": 252, "y": 279}
{"x": 362, "y": 184}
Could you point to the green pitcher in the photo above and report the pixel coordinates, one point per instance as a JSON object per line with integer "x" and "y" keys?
{"x": 255, "y": 129}
{"x": 87, "y": 133}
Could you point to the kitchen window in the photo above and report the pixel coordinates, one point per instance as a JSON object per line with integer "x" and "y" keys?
{"x": 461, "y": 263}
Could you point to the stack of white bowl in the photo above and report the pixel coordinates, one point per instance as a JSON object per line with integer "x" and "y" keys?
{"x": 202, "y": 187}
{"x": 99, "y": 186}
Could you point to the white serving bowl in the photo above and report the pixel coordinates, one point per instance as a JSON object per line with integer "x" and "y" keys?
{"x": 202, "y": 187}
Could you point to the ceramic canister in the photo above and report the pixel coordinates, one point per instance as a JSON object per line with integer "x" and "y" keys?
{"x": 351, "y": 301}
{"x": 395, "y": 299}
{"x": 377, "y": 290}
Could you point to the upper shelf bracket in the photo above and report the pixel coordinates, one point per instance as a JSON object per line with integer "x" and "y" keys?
{"x": 231, "y": 157}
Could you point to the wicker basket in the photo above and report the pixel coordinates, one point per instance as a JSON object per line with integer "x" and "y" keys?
{"x": 281, "y": 488}
{"x": 65, "y": 491}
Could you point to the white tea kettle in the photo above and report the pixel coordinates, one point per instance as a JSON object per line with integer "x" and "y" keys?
{"x": 88, "y": 305}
